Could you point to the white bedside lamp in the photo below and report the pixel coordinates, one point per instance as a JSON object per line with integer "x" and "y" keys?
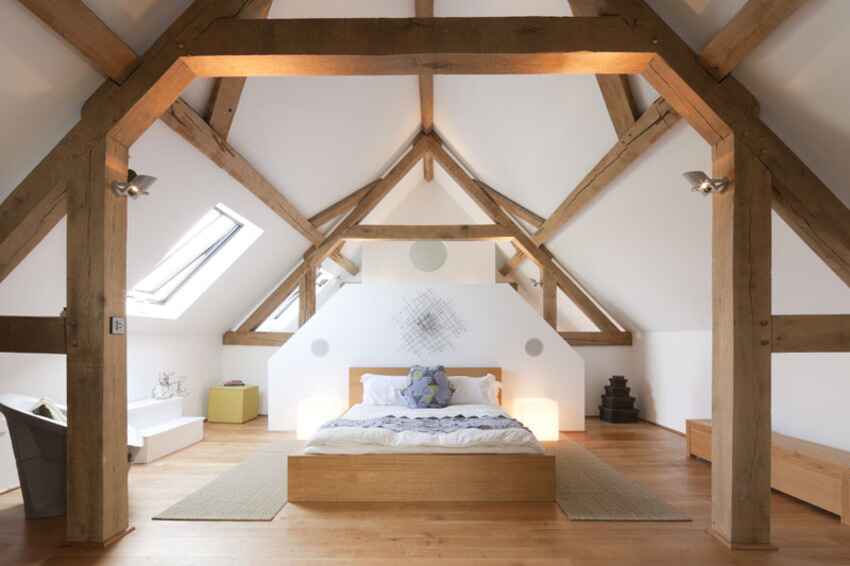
{"x": 540, "y": 416}
{"x": 313, "y": 412}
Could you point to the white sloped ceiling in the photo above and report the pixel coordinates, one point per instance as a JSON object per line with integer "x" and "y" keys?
{"x": 643, "y": 249}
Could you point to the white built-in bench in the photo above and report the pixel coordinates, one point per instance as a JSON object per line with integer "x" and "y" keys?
{"x": 160, "y": 428}
{"x": 814, "y": 473}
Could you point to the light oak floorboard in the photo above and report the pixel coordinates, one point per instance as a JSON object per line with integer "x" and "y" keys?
{"x": 440, "y": 533}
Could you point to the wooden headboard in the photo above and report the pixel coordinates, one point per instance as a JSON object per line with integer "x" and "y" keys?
{"x": 355, "y": 388}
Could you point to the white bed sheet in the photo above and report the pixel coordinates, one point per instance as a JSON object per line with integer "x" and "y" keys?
{"x": 355, "y": 440}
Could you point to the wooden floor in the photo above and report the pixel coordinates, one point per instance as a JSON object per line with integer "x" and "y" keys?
{"x": 415, "y": 535}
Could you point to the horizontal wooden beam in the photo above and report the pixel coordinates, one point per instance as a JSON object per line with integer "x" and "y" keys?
{"x": 235, "y": 338}
{"x": 744, "y": 32}
{"x": 32, "y": 334}
{"x": 811, "y": 333}
{"x": 597, "y": 338}
{"x": 392, "y": 46}
{"x": 428, "y": 232}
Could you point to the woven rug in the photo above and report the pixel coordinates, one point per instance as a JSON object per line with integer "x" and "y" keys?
{"x": 254, "y": 490}
{"x": 591, "y": 490}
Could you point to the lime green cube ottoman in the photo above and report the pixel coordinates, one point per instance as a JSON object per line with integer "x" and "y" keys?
{"x": 233, "y": 404}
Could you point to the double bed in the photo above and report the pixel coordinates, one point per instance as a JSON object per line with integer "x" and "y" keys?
{"x": 468, "y": 452}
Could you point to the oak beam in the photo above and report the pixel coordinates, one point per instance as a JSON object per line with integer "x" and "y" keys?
{"x": 87, "y": 33}
{"x": 440, "y": 232}
{"x": 228, "y": 91}
{"x": 811, "y": 333}
{"x": 425, "y": 9}
{"x": 540, "y": 255}
{"x": 307, "y": 297}
{"x": 192, "y": 128}
{"x": 340, "y": 207}
{"x": 97, "y": 466}
{"x": 319, "y": 252}
{"x": 615, "y": 89}
{"x": 741, "y": 291}
{"x": 513, "y": 207}
{"x": 657, "y": 120}
{"x": 549, "y": 286}
{"x": 745, "y": 31}
{"x": 32, "y": 334}
{"x": 648, "y": 129}
{"x": 597, "y": 338}
{"x": 404, "y": 46}
{"x": 274, "y": 300}
{"x": 234, "y": 338}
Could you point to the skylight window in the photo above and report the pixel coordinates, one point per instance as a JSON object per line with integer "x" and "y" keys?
{"x": 189, "y": 268}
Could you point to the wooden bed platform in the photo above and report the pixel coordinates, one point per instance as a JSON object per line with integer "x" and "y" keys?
{"x": 420, "y": 477}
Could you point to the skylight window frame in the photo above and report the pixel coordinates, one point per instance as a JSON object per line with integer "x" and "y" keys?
{"x": 214, "y": 261}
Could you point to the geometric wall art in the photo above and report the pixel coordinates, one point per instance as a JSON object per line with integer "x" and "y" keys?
{"x": 429, "y": 324}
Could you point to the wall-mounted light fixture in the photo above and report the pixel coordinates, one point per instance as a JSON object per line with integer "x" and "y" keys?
{"x": 702, "y": 183}
{"x": 136, "y": 185}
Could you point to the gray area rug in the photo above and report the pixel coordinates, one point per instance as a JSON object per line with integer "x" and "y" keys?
{"x": 591, "y": 490}
{"x": 588, "y": 490}
{"x": 254, "y": 490}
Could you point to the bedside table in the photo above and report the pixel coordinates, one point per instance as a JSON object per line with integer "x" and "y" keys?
{"x": 233, "y": 404}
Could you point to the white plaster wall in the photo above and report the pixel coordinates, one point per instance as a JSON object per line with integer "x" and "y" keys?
{"x": 674, "y": 370}
{"x": 809, "y": 391}
{"x": 359, "y": 325}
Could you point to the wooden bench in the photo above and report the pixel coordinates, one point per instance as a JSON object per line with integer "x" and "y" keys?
{"x": 814, "y": 473}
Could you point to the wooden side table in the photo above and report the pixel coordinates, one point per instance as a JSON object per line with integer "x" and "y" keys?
{"x": 233, "y": 404}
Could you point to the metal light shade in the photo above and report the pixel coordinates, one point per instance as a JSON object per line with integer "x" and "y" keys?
{"x": 702, "y": 183}
{"x": 135, "y": 186}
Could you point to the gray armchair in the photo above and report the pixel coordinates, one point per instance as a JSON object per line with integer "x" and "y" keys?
{"x": 39, "y": 446}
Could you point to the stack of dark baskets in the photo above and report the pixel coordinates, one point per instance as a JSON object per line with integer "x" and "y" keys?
{"x": 617, "y": 405}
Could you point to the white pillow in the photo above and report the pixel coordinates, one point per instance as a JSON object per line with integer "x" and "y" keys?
{"x": 475, "y": 390}
{"x": 383, "y": 389}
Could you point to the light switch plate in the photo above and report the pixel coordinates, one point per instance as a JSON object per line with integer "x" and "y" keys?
{"x": 117, "y": 325}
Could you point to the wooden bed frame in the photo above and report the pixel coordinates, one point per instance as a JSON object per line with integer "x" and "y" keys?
{"x": 420, "y": 477}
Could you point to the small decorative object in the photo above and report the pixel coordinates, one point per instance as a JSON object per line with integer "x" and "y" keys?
{"x": 617, "y": 405}
{"x": 429, "y": 388}
{"x": 534, "y": 347}
{"x": 320, "y": 347}
{"x": 428, "y": 256}
{"x": 540, "y": 416}
{"x": 168, "y": 386}
{"x": 234, "y": 383}
{"x": 429, "y": 324}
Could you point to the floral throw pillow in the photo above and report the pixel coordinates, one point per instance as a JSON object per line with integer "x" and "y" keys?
{"x": 429, "y": 388}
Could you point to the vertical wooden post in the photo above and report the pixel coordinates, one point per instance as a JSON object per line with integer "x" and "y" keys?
{"x": 307, "y": 296}
{"x": 740, "y": 472}
{"x": 97, "y": 360}
{"x": 550, "y": 297}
